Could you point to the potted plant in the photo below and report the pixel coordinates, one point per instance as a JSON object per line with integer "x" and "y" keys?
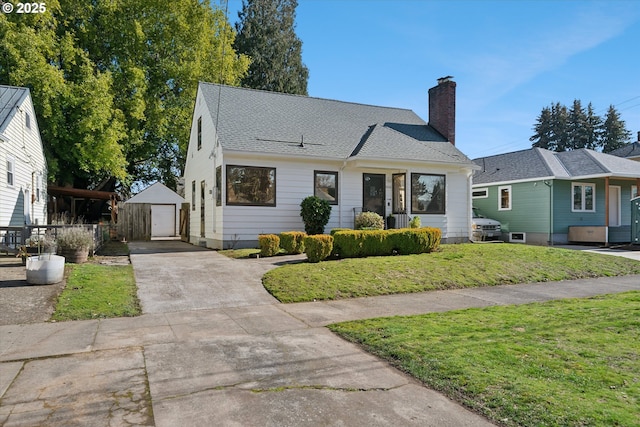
{"x": 45, "y": 269}
{"x": 74, "y": 243}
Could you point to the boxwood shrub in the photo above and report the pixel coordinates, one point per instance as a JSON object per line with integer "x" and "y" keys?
{"x": 269, "y": 244}
{"x": 318, "y": 247}
{"x": 292, "y": 242}
{"x": 403, "y": 241}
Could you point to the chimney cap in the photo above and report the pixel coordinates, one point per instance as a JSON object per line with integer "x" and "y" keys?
{"x": 444, "y": 79}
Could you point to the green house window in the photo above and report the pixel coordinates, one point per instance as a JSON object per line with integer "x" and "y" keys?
{"x": 584, "y": 196}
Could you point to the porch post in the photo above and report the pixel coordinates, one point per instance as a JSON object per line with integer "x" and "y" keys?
{"x": 606, "y": 210}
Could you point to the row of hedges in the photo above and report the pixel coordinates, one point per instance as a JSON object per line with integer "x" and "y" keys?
{"x": 402, "y": 241}
{"x": 347, "y": 243}
{"x": 292, "y": 242}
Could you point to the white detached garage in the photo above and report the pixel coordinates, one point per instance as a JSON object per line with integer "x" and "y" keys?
{"x": 158, "y": 209}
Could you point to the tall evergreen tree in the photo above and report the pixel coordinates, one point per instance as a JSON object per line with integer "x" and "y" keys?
{"x": 543, "y": 137}
{"x": 614, "y": 131}
{"x": 578, "y": 132}
{"x": 559, "y": 127}
{"x": 593, "y": 129}
{"x": 266, "y": 33}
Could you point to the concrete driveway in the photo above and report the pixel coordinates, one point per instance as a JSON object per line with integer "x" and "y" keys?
{"x": 213, "y": 348}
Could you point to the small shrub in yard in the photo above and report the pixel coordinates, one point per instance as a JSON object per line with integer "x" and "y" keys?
{"x": 315, "y": 214}
{"x": 369, "y": 220}
{"x": 318, "y": 247}
{"x": 292, "y": 242}
{"x": 74, "y": 238}
{"x": 415, "y": 222}
{"x": 269, "y": 244}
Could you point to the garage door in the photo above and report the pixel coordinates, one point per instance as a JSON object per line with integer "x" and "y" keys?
{"x": 163, "y": 220}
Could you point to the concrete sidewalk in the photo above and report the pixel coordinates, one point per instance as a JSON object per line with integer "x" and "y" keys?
{"x": 213, "y": 348}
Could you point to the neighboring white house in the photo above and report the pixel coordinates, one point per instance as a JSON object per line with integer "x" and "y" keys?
{"x": 23, "y": 168}
{"x": 253, "y": 157}
{"x": 165, "y": 209}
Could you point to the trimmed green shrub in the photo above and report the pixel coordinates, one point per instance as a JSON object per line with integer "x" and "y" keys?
{"x": 369, "y": 221}
{"x": 404, "y": 241}
{"x": 292, "y": 242}
{"x": 318, "y": 247}
{"x": 269, "y": 244}
{"x": 315, "y": 214}
{"x": 415, "y": 222}
{"x": 335, "y": 230}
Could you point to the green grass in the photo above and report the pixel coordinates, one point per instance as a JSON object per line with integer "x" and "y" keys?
{"x": 98, "y": 291}
{"x": 239, "y": 253}
{"x": 453, "y": 266}
{"x": 562, "y": 363}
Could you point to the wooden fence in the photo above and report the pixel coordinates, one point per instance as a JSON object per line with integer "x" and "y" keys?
{"x": 134, "y": 221}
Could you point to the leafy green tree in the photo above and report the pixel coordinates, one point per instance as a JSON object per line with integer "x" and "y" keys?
{"x": 614, "y": 132}
{"x": 266, "y": 33}
{"x": 114, "y": 82}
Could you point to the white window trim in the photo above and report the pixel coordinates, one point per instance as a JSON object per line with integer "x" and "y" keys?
{"x": 11, "y": 167}
{"x": 478, "y": 190}
{"x": 505, "y": 187}
{"x": 583, "y": 185}
{"x": 634, "y": 191}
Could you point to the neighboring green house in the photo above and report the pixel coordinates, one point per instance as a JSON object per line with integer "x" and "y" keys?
{"x": 544, "y": 197}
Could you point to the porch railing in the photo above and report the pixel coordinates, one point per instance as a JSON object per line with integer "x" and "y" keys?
{"x": 11, "y": 238}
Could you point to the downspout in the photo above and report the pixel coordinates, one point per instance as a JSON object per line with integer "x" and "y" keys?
{"x": 470, "y": 204}
{"x": 550, "y": 185}
{"x": 340, "y": 179}
{"x": 606, "y": 211}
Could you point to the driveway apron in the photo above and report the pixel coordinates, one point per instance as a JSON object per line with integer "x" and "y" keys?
{"x": 236, "y": 358}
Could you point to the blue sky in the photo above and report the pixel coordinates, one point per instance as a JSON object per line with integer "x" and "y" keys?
{"x": 509, "y": 59}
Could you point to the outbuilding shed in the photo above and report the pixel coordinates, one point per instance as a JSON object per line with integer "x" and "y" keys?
{"x": 152, "y": 213}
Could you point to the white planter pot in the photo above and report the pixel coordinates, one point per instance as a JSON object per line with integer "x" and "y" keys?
{"x": 45, "y": 269}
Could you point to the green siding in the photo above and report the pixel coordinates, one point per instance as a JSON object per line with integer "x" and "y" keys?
{"x": 530, "y": 207}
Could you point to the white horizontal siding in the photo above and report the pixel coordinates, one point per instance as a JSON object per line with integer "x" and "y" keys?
{"x": 25, "y": 148}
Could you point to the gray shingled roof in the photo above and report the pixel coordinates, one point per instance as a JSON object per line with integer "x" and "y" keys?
{"x": 538, "y": 163}
{"x": 10, "y": 97}
{"x": 628, "y": 151}
{"x": 269, "y": 122}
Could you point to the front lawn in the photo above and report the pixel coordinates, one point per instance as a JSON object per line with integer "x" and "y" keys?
{"x": 453, "y": 266}
{"x": 560, "y": 363}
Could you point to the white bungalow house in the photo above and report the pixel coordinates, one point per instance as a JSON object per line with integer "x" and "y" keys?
{"x": 253, "y": 156}
{"x": 23, "y": 168}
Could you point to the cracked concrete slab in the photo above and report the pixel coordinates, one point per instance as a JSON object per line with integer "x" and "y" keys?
{"x": 408, "y": 405}
{"x": 97, "y": 388}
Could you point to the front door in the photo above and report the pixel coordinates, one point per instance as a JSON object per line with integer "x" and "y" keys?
{"x": 373, "y": 193}
{"x": 614, "y": 206}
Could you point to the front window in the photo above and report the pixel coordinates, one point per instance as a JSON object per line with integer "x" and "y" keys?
{"x": 199, "y": 133}
{"x": 480, "y": 193}
{"x": 504, "y": 201}
{"x": 584, "y": 196}
{"x": 250, "y": 185}
{"x": 219, "y": 186}
{"x": 427, "y": 193}
{"x": 399, "y": 193}
{"x": 325, "y": 186}
{"x": 10, "y": 171}
{"x": 193, "y": 195}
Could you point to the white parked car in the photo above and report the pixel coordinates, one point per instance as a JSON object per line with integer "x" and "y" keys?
{"x": 484, "y": 228}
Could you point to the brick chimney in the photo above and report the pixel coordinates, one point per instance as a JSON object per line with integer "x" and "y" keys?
{"x": 442, "y": 108}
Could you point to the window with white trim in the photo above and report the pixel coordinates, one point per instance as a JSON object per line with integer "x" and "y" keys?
{"x": 634, "y": 191}
{"x": 583, "y": 197}
{"x": 504, "y": 198}
{"x": 11, "y": 171}
{"x": 480, "y": 193}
